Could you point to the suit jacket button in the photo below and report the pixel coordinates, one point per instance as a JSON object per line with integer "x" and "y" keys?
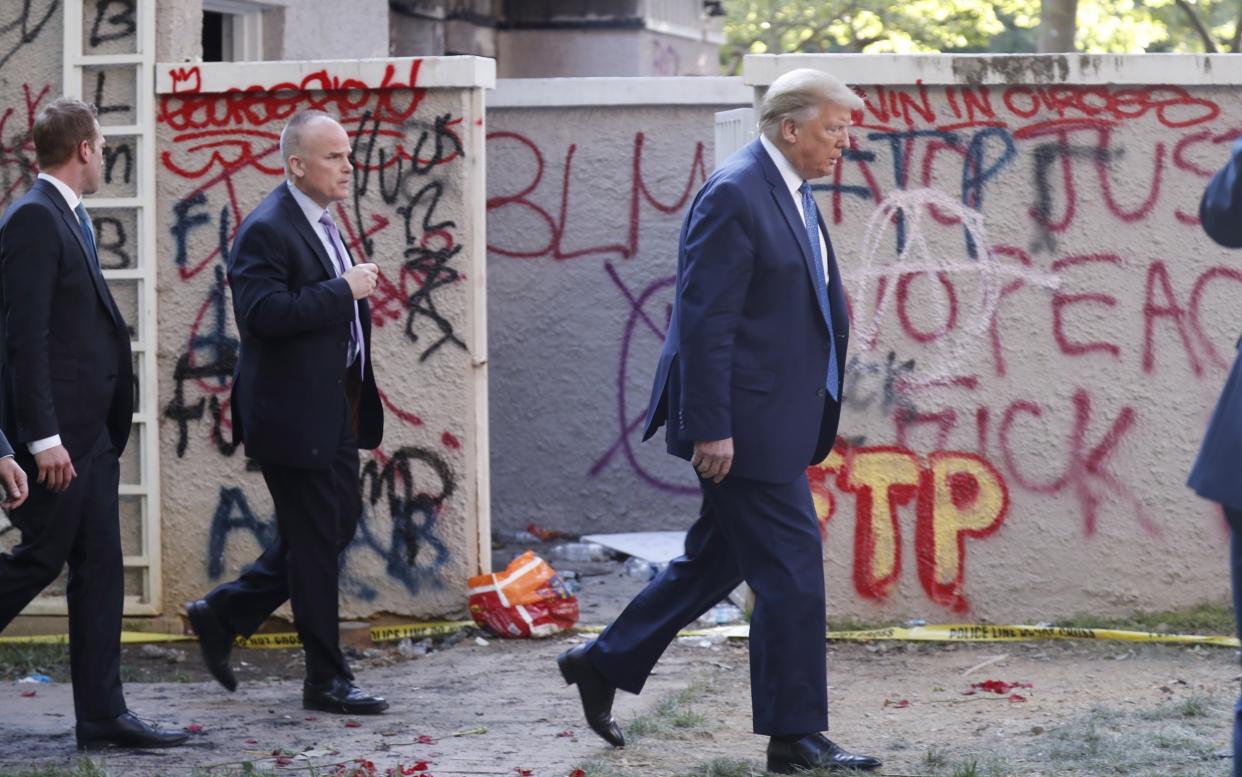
{"x": 821, "y": 392}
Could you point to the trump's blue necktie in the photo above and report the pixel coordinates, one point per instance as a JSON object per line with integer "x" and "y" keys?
{"x": 821, "y": 283}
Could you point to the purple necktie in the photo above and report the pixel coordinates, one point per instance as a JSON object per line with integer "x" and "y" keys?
{"x": 342, "y": 265}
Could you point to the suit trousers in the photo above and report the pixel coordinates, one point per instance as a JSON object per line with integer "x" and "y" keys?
{"x": 317, "y": 513}
{"x": 81, "y": 526}
{"x": 1234, "y": 517}
{"x": 768, "y": 535}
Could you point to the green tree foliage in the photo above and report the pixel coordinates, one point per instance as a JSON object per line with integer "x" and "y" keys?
{"x": 957, "y": 26}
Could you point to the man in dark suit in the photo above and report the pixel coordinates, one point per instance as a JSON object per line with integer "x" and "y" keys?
{"x": 304, "y": 402}
{"x": 748, "y": 387}
{"x": 68, "y": 405}
{"x": 1215, "y": 474}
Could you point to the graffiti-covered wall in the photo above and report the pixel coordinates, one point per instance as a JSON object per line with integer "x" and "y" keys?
{"x": 1040, "y": 327}
{"x": 587, "y": 183}
{"x": 415, "y": 210}
{"x": 1040, "y": 331}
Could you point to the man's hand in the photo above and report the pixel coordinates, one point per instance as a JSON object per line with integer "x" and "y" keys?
{"x": 361, "y": 279}
{"x": 713, "y": 458}
{"x": 13, "y": 481}
{"x": 56, "y": 470}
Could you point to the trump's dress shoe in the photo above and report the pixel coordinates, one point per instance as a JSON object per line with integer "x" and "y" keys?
{"x": 813, "y": 751}
{"x": 595, "y": 691}
{"x": 215, "y": 640}
{"x": 125, "y": 730}
{"x": 341, "y": 696}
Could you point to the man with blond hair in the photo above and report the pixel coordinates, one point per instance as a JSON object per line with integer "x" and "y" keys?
{"x": 67, "y": 408}
{"x": 748, "y": 387}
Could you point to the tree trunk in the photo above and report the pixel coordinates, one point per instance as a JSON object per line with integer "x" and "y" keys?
{"x": 1056, "y": 26}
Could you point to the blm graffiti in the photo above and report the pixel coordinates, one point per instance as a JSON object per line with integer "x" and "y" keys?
{"x": 222, "y": 150}
{"x": 1039, "y": 325}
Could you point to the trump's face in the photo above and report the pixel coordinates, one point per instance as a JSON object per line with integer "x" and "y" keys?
{"x": 321, "y": 168}
{"x": 814, "y": 146}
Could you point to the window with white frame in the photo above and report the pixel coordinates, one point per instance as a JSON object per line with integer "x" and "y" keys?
{"x": 232, "y": 31}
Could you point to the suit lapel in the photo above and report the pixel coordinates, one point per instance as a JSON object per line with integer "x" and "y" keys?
{"x": 300, "y": 223}
{"x": 75, "y": 229}
{"x": 784, "y": 201}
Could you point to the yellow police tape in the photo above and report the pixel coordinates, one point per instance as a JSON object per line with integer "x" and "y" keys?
{"x": 946, "y": 633}
{"x": 981, "y": 633}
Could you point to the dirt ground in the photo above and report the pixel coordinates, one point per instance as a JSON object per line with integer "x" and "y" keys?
{"x": 501, "y": 709}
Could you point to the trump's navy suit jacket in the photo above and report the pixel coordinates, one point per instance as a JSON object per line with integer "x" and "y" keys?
{"x": 1217, "y": 474}
{"x": 746, "y": 354}
{"x": 294, "y": 316}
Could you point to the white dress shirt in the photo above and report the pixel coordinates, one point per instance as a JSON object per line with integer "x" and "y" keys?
{"x": 794, "y": 181}
{"x": 73, "y": 200}
{"x": 313, "y": 213}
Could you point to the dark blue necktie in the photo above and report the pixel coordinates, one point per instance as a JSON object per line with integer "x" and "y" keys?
{"x": 88, "y": 233}
{"x": 821, "y": 282}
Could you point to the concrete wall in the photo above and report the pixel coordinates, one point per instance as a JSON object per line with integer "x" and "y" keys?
{"x": 1040, "y": 327}
{"x": 603, "y": 52}
{"x": 417, "y": 211}
{"x": 587, "y": 181}
{"x": 1040, "y": 332}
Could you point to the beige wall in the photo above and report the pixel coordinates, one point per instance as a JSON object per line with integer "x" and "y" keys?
{"x": 1016, "y": 436}
{"x": 412, "y": 212}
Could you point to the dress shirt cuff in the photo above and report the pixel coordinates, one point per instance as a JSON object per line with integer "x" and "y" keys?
{"x": 39, "y": 446}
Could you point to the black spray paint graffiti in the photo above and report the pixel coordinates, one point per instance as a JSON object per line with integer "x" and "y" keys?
{"x": 122, "y": 21}
{"x": 430, "y": 244}
{"x": 1046, "y": 155}
{"x": 29, "y": 24}
{"x": 233, "y": 513}
{"x": 209, "y": 361}
{"x": 111, "y": 241}
{"x": 411, "y": 552}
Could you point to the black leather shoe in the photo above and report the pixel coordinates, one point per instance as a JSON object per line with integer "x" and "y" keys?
{"x": 596, "y": 693}
{"x": 814, "y": 751}
{"x": 215, "y": 640}
{"x": 125, "y": 730}
{"x": 341, "y": 696}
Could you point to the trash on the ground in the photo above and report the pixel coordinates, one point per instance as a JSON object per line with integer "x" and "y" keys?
{"x": 35, "y": 678}
{"x": 481, "y": 642}
{"x": 654, "y": 546}
{"x": 642, "y": 569}
{"x": 544, "y": 535}
{"x": 704, "y": 641}
{"x": 527, "y": 599}
{"x": 910, "y": 624}
{"x": 171, "y": 655}
{"x": 999, "y": 687}
{"x": 29, "y": 694}
{"x": 899, "y": 704}
{"x": 411, "y": 649}
{"x": 580, "y": 551}
{"x": 522, "y": 537}
{"x": 194, "y": 728}
{"x": 723, "y": 613}
{"x": 572, "y": 580}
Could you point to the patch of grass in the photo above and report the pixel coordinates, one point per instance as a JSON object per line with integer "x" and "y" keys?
{"x": 672, "y": 715}
{"x": 1214, "y": 618}
{"x": 854, "y": 624}
{"x": 1177, "y": 738}
{"x": 17, "y": 660}
{"x": 83, "y": 767}
{"x": 934, "y": 758}
{"x": 725, "y": 767}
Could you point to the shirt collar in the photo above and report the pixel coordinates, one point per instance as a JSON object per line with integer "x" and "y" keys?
{"x": 309, "y": 207}
{"x": 788, "y": 174}
{"x": 71, "y": 197}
